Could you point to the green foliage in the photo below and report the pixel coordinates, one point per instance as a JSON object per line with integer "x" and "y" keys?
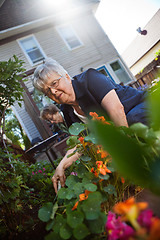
{"x": 14, "y": 131}
{"x": 94, "y": 192}
{"x": 19, "y": 195}
{"x": 10, "y": 88}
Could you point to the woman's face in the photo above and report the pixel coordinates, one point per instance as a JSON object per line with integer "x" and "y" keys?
{"x": 60, "y": 89}
{"x": 55, "y": 118}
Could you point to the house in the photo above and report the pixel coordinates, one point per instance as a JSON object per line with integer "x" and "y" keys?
{"x": 140, "y": 56}
{"x": 70, "y": 33}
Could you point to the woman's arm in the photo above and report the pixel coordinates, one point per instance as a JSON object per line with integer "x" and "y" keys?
{"x": 59, "y": 174}
{"x": 114, "y": 108}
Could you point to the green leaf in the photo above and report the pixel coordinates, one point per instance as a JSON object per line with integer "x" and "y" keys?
{"x": 55, "y": 207}
{"x": 105, "y": 177}
{"x": 85, "y": 158}
{"x": 59, "y": 222}
{"x": 154, "y": 100}
{"x": 81, "y": 231}
{"x": 97, "y": 226}
{"x": 52, "y": 236}
{"x": 62, "y": 193}
{"x": 72, "y": 141}
{"x": 78, "y": 188}
{"x": 81, "y": 171}
{"x": 70, "y": 194}
{"x": 90, "y": 187}
{"x": 110, "y": 189}
{"x": 91, "y": 206}
{"x": 49, "y": 225}
{"x": 91, "y": 138}
{"x": 75, "y": 218}
{"x": 71, "y": 180}
{"x": 140, "y": 130}
{"x": 76, "y": 128}
{"x": 45, "y": 212}
{"x": 65, "y": 232}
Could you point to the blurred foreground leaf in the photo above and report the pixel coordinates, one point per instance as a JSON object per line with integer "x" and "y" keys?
{"x": 154, "y": 100}
{"x": 129, "y": 157}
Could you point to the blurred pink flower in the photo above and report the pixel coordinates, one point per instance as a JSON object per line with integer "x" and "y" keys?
{"x": 117, "y": 229}
{"x": 44, "y": 169}
{"x": 40, "y": 171}
{"x": 145, "y": 218}
{"x": 73, "y": 173}
{"x": 32, "y": 173}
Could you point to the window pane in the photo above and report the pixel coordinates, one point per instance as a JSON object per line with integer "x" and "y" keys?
{"x": 28, "y": 43}
{"x": 35, "y": 55}
{"x": 32, "y": 49}
{"x": 103, "y": 72}
{"x": 69, "y": 36}
{"x": 120, "y": 72}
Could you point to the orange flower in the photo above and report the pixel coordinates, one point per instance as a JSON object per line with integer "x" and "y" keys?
{"x": 75, "y": 206}
{"x": 93, "y": 114}
{"x": 95, "y": 172}
{"x": 155, "y": 230}
{"x": 130, "y": 210}
{"x": 81, "y": 139}
{"x": 122, "y": 180}
{"x": 82, "y": 197}
{"x": 102, "y": 168}
{"x": 102, "y": 119}
{"x": 102, "y": 152}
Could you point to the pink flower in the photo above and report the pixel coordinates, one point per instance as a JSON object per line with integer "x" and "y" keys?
{"x": 36, "y": 172}
{"x": 73, "y": 173}
{"x": 117, "y": 229}
{"x": 44, "y": 169}
{"x": 145, "y": 218}
{"x": 40, "y": 171}
{"x": 44, "y": 174}
{"x": 32, "y": 173}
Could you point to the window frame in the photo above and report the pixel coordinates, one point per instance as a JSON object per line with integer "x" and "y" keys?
{"x": 64, "y": 39}
{"x": 112, "y": 73}
{"x": 25, "y": 53}
{"x": 105, "y": 69}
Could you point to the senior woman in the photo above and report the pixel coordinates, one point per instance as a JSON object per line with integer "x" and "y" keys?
{"x": 89, "y": 91}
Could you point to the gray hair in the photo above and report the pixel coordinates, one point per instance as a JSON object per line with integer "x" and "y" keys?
{"x": 44, "y": 71}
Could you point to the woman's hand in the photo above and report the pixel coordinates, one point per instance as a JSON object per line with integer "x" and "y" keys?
{"x": 59, "y": 174}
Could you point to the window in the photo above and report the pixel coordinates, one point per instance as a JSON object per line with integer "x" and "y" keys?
{"x": 32, "y": 49}
{"x": 104, "y": 71}
{"x": 69, "y": 37}
{"x": 120, "y": 72}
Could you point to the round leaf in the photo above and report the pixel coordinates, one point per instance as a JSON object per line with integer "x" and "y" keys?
{"x": 110, "y": 189}
{"x": 91, "y": 187}
{"x": 45, "y": 212}
{"x": 65, "y": 232}
{"x": 76, "y": 128}
{"x": 81, "y": 231}
{"x": 75, "y": 218}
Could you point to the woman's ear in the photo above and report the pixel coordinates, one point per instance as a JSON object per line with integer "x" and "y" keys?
{"x": 68, "y": 77}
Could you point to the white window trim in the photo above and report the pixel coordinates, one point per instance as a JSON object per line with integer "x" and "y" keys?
{"x": 26, "y": 55}
{"x": 109, "y": 68}
{"x": 58, "y": 30}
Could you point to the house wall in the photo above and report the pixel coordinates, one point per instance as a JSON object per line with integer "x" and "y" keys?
{"x": 145, "y": 60}
{"x": 97, "y": 50}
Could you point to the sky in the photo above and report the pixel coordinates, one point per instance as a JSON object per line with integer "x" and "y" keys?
{"x": 121, "y": 18}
